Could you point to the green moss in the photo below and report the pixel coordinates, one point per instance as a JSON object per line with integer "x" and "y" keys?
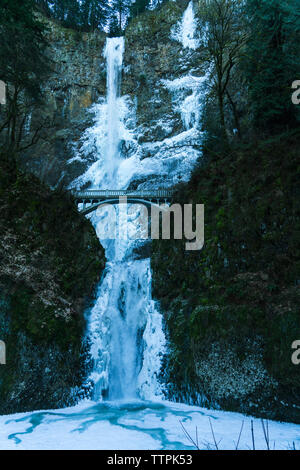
{"x": 243, "y": 285}
{"x": 51, "y": 262}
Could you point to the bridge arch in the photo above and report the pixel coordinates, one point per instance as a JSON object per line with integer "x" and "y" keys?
{"x": 97, "y": 198}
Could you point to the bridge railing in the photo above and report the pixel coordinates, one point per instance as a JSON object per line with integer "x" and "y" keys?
{"x": 108, "y": 193}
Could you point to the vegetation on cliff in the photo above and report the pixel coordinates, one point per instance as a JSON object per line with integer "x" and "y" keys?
{"x": 232, "y": 309}
{"x": 91, "y": 15}
{"x": 51, "y": 261}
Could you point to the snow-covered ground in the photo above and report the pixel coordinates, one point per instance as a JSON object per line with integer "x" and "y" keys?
{"x": 139, "y": 425}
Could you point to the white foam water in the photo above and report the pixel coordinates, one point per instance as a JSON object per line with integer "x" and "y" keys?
{"x": 124, "y": 326}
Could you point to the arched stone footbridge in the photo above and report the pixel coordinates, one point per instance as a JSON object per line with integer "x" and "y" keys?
{"x": 92, "y": 199}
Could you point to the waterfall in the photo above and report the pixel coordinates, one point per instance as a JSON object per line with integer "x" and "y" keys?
{"x": 185, "y": 30}
{"x": 113, "y": 53}
{"x": 125, "y": 329}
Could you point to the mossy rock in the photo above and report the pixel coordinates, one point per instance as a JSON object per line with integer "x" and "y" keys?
{"x": 51, "y": 263}
{"x": 242, "y": 289}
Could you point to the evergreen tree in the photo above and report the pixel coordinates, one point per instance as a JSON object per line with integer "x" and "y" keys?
{"x": 72, "y": 19}
{"x": 94, "y": 14}
{"x": 78, "y": 14}
{"x": 138, "y": 7}
{"x": 67, "y": 12}
{"x": 272, "y": 60}
{"x": 59, "y": 9}
{"x": 121, "y": 9}
{"x": 114, "y": 28}
{"x": 44, "y": 6}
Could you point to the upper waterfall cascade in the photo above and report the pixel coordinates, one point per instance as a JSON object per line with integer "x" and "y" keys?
{"x": 113, "y": 53}
{"x": 185, "y": 31}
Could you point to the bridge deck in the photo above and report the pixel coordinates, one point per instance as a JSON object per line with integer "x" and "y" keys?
{"x": 109, "y": 194}
{"x": 92, "y": 198}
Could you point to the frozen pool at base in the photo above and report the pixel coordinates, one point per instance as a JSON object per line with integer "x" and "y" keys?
{"x": 138, "y": 425}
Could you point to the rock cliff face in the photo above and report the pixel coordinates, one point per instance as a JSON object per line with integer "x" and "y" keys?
{"x": 154, "y": 59}
{"x": 232, "y": 309}
{"x": 76, "y": 81}
{"x": 51, "y": 261}
{"x": 152, "y": 55}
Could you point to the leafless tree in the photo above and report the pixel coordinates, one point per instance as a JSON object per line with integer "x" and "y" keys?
{"x": 224, "y": 39}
